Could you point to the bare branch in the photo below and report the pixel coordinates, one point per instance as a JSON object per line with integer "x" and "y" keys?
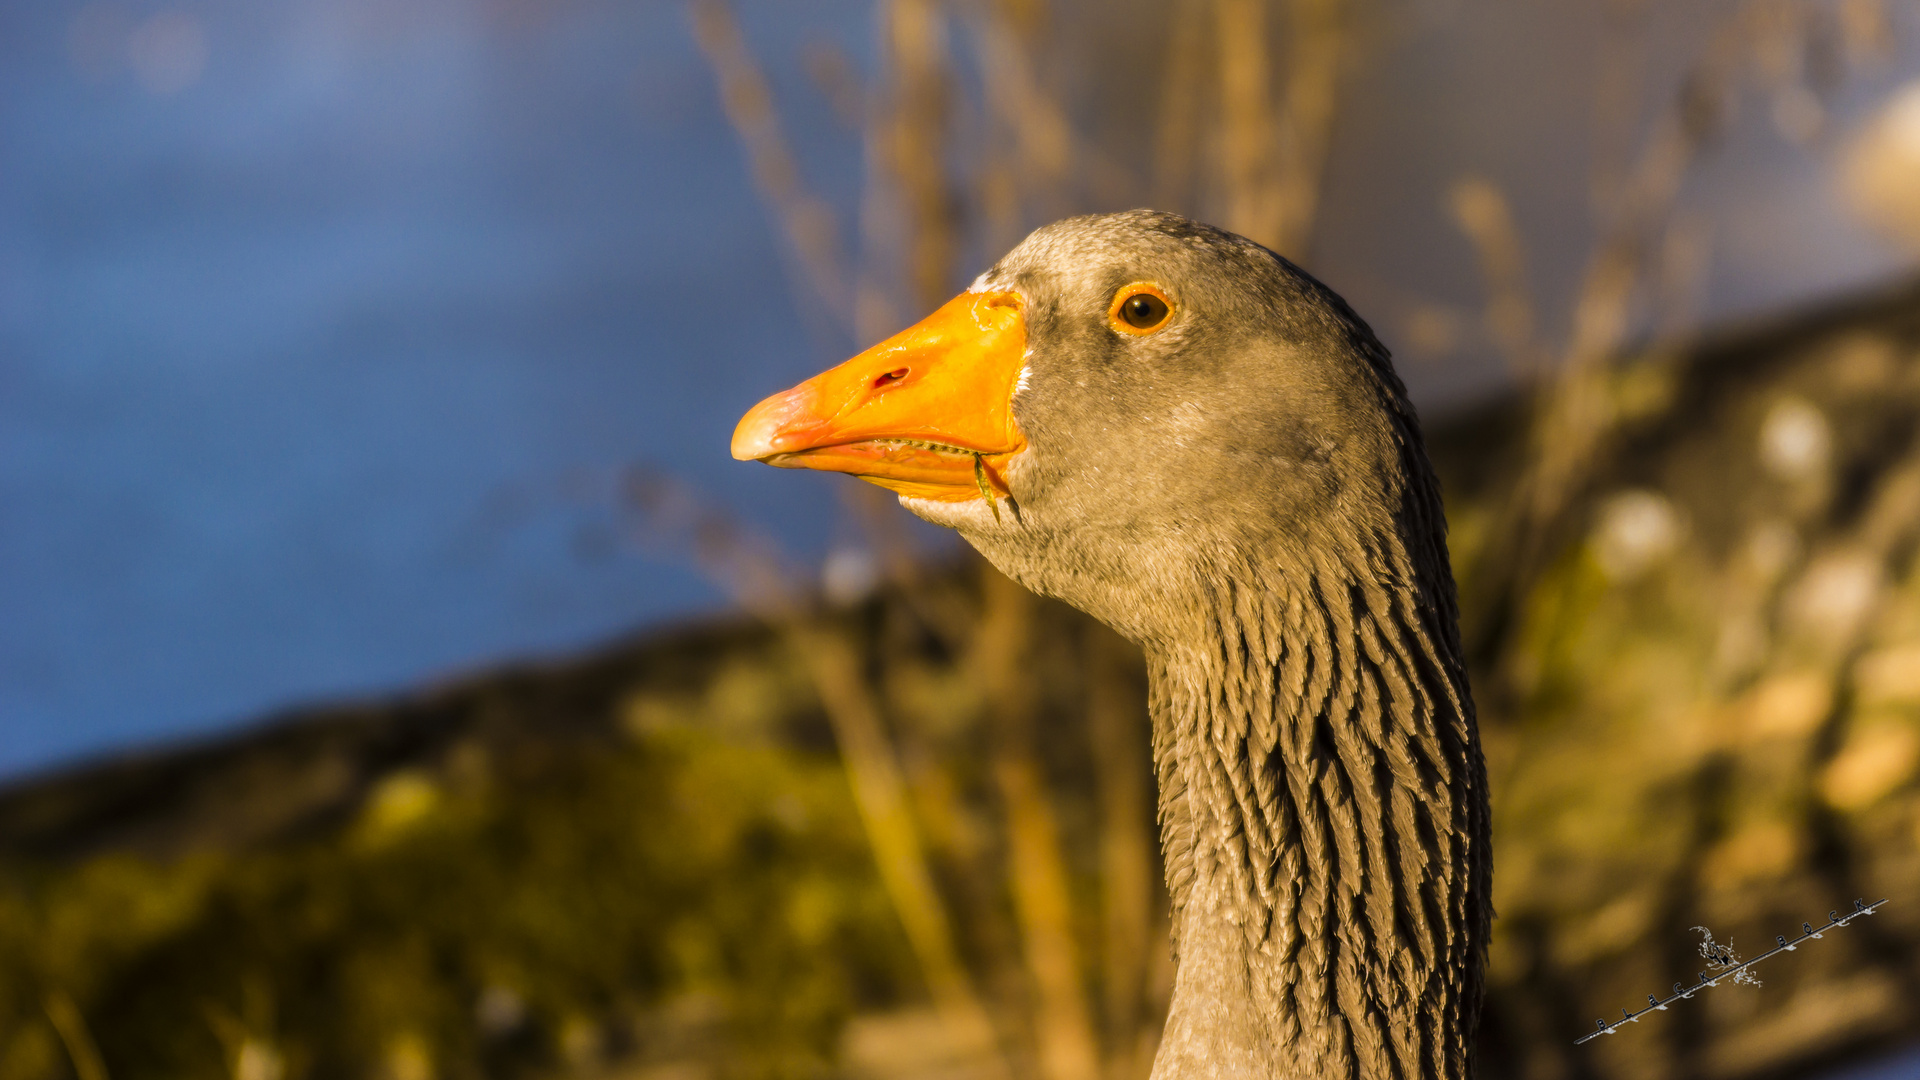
{"x": 1481, "y": 211}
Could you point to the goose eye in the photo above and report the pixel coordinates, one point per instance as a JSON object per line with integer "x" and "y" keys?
{"x": 1140, "y": 309}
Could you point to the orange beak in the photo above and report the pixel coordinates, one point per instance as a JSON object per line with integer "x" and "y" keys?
{"x": 927, "y": 412}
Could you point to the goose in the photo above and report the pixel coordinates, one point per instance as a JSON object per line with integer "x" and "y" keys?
{"x": 1189, "y": 438}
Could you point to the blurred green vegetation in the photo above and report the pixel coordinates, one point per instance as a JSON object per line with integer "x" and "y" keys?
{"x": 1706, "y": 711}
{"x": 685, "y": 893}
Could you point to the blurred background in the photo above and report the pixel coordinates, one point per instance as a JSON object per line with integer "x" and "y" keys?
{"x": 398, "y": 678}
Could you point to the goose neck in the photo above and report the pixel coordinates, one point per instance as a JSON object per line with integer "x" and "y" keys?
{"x": 1323, "y": 814}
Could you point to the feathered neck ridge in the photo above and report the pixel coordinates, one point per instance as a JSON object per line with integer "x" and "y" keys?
{"x": 1323, "y": 793}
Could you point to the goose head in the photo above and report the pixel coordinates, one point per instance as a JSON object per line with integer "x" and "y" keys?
{"x": 1110, "y": 408}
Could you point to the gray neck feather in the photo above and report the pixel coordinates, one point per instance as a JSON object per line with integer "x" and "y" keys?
{"x": 1323, "y": 813}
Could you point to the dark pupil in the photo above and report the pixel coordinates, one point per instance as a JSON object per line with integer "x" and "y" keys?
{"x": 1143, "y": 311}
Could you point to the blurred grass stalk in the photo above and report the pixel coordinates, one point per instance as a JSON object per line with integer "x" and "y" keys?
{"x": 1037, "y": 873}
{"x": 879, "y": 790}
{"x": 1272, "y": 164}
{"x": 807, "y": 221}
{"x": 1134, "y": 998}
{"x": 1647, "y": 264}
{"x": 72, "y": 1029}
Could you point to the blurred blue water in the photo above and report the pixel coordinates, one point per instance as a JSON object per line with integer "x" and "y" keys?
{"x": 324, "y": 323}
{"x": 278, "y": 335}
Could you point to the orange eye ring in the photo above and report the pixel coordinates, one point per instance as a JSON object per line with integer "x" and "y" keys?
{"x": 1140, "y": 309}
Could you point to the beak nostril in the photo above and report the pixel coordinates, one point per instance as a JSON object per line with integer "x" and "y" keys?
{"x": 890, "y": 377}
